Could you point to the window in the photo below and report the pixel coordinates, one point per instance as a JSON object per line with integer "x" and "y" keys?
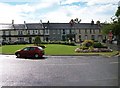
{"x": 20, "y": 32}
{"x": 26, "y": 49}
{"x": 39, "y": 32}
{"x": 3, "y": 32}
{"x": 58, "y": 31}
{"x": 86, "y": 37}
{"x": 99, "y": 37}
{"x": 70, "y": 31}
{"x": 93, "y": 37}
{"x": 32, "y": 48}
{"x": 79, "y": 31}
{"x": 90, "y": 31}
{"x": 36, "y": 31}
{"x": 4, "y": 39}
{"x": 53, "y": 31}
{"x": 79, "y": 36}
{"x": 46, "y": 31}
{"x": 63, "y": 31}
{"x": 9, "y": 32}
{"x": 33, "y": 32}
{"x": 9, "y": 39}
{"x": 94, "y": 31}
{"x": 99, "y": 30}
{"x": 28, "y": 32}
{"x": 85, "y": 31}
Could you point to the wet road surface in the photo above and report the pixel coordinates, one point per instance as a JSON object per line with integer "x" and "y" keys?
{"x": 59, "y": 71}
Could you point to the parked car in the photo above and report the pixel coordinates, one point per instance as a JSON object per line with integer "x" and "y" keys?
{"x": 32, "y": 51}
{"x": 4, "y": 43}
{"x": 20, "y": 42}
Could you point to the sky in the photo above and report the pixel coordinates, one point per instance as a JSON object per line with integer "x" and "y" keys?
{"x": 60, "y": 11}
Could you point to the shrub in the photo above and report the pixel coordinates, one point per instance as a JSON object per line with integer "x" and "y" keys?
{"x": 98, "y": 45}
{"x": 88, "y": 43}
{"x": 37, "y": 41}
{"x": 83, "y": 47}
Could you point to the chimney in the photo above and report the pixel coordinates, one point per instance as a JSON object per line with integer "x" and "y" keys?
{"x": 12, "y": 21}
{"x": 41, "y": 21}
{"x": 92, "y": 22}
{"x": 24, "y": 22}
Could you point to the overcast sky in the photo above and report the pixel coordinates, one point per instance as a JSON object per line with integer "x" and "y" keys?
{"x": 60, "y": 11}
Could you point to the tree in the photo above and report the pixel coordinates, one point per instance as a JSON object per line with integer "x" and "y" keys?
{"x": 114, "y": 26}
{"x": 117, "y": 12}
{"x": 73, "y": 21}
{"x": 37, "y": 41}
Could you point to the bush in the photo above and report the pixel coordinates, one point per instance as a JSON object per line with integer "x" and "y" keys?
{"x": 83, "y": 47}
{"x": 37, "y": 41}
{"x": 98, "y": 45}
{"x": 88, "y": 43}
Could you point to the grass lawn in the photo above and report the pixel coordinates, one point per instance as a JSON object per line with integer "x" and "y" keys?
{"x": 52, "y": 49}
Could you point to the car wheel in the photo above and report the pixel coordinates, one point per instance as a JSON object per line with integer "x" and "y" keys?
{"x": 36, "y": 55}
{"x": 18, "y": 55}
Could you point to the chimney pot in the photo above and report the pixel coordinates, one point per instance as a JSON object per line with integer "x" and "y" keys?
{"x": 12, "y": 21}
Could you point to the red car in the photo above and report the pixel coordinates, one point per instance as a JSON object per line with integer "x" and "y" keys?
{"x": 32, "y": 51}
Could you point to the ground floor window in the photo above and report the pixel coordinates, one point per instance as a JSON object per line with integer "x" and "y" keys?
{"x": 93, "y": 37}
{"x": 86, "y": 37}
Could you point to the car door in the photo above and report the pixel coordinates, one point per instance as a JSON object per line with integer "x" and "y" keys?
{"x": 31, "y": 51}
{"x": 25, "y": 52}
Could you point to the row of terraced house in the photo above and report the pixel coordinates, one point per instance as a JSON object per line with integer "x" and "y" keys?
{"x": 50, "y": 31}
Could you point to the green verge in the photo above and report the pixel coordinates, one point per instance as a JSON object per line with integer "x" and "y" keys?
{"x": 53, "y": 49}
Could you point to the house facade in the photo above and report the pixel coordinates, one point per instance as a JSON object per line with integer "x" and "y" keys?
{"x": 77, "y": 32}
{"x": 50, "y": 32}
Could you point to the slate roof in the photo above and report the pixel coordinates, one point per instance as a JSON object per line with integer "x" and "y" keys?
{"x": 19, "y": 26}
{"x": 50, "y": 26}
{"x": 68, "y": 26}
{"x": 34, "y": 26}
{"x": 6, "y": 26}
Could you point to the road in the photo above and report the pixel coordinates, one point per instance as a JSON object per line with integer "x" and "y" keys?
{"x": 59, "y": 71}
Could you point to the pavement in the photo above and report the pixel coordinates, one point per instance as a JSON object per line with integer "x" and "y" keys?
{"x": 114, "y": 46}
{"x": 59, "y": 71}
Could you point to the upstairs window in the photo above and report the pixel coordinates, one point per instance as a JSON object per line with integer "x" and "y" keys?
{"x": 63, "y": 31}
{"x": 46, "y": 31}
{"x": 33, "y": 32}
{"x": 28, "y": 32}
{"x": 9, "y": 32}
{"x": 20, "y": 32}
{"x": 4, "y": 33}
{"x": 99, "y": 30}
{"x": 90, "y": 31}
{"x": 94, "y": 31}
{"x": 79, "y": 31}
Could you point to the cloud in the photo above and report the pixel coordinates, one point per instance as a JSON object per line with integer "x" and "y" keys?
{"x": 57, "y": 10}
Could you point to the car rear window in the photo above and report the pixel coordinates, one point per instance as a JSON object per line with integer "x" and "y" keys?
{"x": 40, "y": 48}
